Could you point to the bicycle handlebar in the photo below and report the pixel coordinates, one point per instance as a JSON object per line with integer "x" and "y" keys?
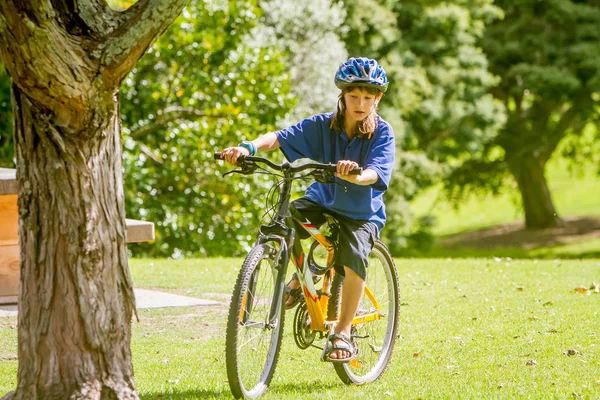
{"x": 287, "y": 166}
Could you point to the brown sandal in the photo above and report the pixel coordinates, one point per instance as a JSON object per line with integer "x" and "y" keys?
{"x": 295, "y": 294}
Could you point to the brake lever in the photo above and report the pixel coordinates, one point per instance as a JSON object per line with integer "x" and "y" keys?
{"x": 246, "y": 168}
{"x": 327, "y": 177}
{"x": 233, "y": 171}
{"x": 323, "y": 176}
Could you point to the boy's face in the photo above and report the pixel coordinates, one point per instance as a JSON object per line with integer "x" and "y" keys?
{"x": 359, "y": 103}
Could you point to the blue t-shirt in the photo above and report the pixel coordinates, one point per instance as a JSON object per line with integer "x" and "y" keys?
{"x": 313, "y": 138}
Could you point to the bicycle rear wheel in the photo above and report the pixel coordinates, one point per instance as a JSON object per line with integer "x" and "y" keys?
{"x": 253, "y": 339}
{"x": 375, "y": 339}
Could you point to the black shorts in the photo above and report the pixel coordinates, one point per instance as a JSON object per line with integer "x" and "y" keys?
{"x": 356, "y": 237}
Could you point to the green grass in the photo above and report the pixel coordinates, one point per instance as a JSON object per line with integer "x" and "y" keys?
{"x": 468, "y": 329}
{"x": 573, "y": 193}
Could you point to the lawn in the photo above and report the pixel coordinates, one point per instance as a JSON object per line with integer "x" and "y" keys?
{"x": 469, "y": 328}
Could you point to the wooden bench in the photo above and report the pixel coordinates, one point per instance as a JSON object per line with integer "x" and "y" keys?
{"x": 137, "y": 231}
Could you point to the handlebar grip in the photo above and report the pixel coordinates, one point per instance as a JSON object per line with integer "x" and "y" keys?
{"x": 218, "y": 155}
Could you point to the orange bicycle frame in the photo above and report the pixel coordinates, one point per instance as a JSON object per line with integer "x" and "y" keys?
{"x": 317, "y": 304}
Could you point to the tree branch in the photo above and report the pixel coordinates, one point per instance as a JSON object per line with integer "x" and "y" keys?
{"x": 170, "y": 114}
{"x": 146, "y": 150}
{"x": 570, "y": 119}
{"x": 46, "y": 62}
{"x": 141, "y": 24}
{"x": 98, "y": 16}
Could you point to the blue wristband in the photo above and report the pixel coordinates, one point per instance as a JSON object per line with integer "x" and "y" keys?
{"x": 249, "y": 145}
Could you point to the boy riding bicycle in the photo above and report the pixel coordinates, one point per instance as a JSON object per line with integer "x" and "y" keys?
{"x": 352, "y": 136}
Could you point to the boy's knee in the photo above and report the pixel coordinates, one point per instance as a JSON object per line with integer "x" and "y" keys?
{"x": 351, "y": 274}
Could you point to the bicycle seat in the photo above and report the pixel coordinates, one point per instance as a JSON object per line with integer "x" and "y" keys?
{"x": 273, "y": 229}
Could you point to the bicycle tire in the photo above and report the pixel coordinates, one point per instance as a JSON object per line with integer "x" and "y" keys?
{"x": 252, "y": 343}
{"x": 375, "y": 351}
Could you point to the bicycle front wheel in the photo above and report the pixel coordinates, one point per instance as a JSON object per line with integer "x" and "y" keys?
{"x": 375, "y": 339}
{"x": 253, "y": 336}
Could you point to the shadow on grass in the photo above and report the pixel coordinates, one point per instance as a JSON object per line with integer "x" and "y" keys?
{"x": 306, "y": 388}
{"x": 515, "y": 253}
{"x": 316, "y": 386}
{"x": 578, "y": 238}
{"x": 189, "y": 394}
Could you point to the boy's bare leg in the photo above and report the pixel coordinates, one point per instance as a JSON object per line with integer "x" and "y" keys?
{"x": 352, "y": 291}
{"x": 293, "y": 284}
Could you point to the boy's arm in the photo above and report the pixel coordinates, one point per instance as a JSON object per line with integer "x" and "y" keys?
{"x": 265, "y": 142}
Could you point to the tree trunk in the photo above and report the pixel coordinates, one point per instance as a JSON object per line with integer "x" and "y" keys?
{"x": 76, "y": 299}
{"x": 537, "y": 202}
{"x": 66, "y": 59}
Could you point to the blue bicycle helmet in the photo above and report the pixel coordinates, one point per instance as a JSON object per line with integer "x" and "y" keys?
{"x": 362, "y": 72}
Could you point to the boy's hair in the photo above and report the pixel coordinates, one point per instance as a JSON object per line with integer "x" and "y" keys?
{"x": 366, "y": 126}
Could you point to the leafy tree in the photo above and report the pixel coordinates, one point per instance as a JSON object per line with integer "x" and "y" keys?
{"x": 438, "y": 101}
{"x": 67, "y": 60}
{"x": 545, "y": 58}
{"x": 308, "y": 33}
{"x": 548, "y": 56}
{"x": 178, "y": 110}
{"x": 203, "y": 86}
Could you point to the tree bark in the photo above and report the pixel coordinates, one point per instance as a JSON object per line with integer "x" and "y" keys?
{"x": 537, "y": 201}
{"x": 66, "y": 59}
{"x": 76, "y": 297}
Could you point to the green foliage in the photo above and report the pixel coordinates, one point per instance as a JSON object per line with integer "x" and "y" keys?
{"x": 412, "y": 172}
{"x": 454, "y": 116}
{"x": 548, "y": 55}
{"x": 203, "y": 86}
{"x": 307, "y": 31}
{"x": 7, "y": 152}
{"x": 438, "y": 101}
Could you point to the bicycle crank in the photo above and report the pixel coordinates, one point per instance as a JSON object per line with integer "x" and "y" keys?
{"x": 303, "y": 335}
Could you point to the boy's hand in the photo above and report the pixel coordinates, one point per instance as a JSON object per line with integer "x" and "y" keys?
{"x": 343, "y": 171}
{"x": 231, "y": 154}
{"x": 345, "y": 166}
{"x": 367, "y": 177}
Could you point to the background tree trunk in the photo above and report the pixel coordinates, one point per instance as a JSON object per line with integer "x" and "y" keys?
{"x": 537, "y": 202}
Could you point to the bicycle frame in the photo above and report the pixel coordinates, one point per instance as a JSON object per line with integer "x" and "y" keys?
{"x": 279, "y": 230}
{"x": 317, "y": 304}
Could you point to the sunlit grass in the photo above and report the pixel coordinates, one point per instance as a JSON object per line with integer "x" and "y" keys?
{"x": 469, "y": 328}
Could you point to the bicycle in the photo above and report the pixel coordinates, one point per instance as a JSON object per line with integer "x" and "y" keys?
{"x": 257, "y": 311}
